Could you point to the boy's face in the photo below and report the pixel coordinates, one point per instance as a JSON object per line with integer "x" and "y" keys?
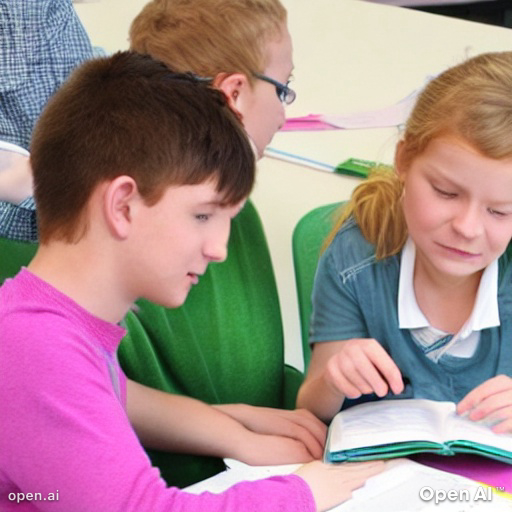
{"x": 263, "y": 113}
{"x": 175, "y": 240}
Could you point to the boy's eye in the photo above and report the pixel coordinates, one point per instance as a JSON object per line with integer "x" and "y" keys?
{"x": 202, "y": 217}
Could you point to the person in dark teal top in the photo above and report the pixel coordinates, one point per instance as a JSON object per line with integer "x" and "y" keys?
{"x": 412, "y": 297}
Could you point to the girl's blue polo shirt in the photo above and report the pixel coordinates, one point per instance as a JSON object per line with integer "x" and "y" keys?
{"x": 356, "y": 296}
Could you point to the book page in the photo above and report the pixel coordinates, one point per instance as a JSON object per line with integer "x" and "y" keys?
{"x": 386, "y": 422}
{"x": 462, "y": 428}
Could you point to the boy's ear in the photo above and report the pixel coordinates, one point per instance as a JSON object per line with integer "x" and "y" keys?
{"x": 119, "y": 203}
{"x": 233, "y": 86}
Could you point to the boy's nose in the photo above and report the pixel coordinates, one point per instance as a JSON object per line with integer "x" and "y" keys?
{"x": 218, "y": 253}
{"x": 216, "y": 249}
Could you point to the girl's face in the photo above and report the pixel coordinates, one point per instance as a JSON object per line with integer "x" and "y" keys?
{"x": 458, "y": 207}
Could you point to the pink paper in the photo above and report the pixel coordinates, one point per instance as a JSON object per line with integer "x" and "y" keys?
{"x": 488, "y": 471}
{"x": 312, "y": 122}
{"x": 390, "y": 116}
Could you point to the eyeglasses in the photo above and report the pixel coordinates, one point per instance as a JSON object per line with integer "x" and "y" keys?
{"x": 284, "y": 93}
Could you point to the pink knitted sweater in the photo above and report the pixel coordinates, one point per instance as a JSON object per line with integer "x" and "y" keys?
{"x": 65, "y": 441}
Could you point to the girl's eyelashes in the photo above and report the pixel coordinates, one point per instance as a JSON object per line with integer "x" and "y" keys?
{"x": 202, "y": 217}
{"x": 497, "y": 213}
{"x": 444, "y": 193}
{"x": 451, "y": 195}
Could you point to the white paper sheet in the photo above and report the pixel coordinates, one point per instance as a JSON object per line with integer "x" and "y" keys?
{"x": 395, "y": 490}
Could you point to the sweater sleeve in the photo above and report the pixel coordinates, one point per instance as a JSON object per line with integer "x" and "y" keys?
{"x": 64, "y": 431}
{"x": 336, "y": 310}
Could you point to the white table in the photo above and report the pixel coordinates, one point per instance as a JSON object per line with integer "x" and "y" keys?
{"x": 398, "y": 489}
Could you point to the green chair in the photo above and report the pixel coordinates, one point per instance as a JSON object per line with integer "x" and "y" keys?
{"x": 13, "y": 256}
{"x": 224, "y": 345}
{"x": 308, "y": 237}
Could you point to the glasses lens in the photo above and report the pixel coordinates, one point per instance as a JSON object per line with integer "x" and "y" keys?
{"x": 285, "y": 94}
{"x": 289, "y": 96}
{"x": 281, "y": 93}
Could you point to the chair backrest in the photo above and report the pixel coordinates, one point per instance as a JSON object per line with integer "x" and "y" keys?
{"x": 308, "y": 237}
{"x": 224, "y": 345}
{"x": 13, "y": 256}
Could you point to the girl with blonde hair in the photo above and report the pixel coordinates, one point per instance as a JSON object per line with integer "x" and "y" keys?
{"x": 413, "y": 290}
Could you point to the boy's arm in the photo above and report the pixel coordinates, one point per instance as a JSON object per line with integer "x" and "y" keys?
{"x": 68, "y": 434}
{"x": 182, "y": 424}
{"x": 298, "y": 424}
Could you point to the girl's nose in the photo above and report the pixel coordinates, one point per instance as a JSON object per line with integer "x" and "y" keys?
{"x": 468, "y": 221}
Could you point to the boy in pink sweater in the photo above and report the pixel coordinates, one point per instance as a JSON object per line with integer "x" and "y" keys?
{"x": 138, "y": 172}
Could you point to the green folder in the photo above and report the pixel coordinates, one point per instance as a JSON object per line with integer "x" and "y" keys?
{"x": 355, "y": 167}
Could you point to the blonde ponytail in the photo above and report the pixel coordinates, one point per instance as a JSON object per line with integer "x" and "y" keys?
{"x": 376, "y": 207}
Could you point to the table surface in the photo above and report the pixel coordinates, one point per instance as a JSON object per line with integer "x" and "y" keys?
{"x": 397, "y": 489}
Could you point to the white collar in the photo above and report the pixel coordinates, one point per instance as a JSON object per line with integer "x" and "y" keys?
{"x": 485, "y": 312}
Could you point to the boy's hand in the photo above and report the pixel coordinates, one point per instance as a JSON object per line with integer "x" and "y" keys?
{"x": 269, "y": 450}
{"x": 361, "y": 367}
{"x": 492, "y": 402}
{"x": 333, "y": 484}
{"x": 302, "y": 434}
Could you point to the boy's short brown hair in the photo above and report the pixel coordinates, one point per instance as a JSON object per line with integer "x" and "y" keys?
{"x": 130, "y": 115}
{"x": 209, "y": 37}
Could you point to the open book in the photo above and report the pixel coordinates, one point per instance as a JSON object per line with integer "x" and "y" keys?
{"x": 396, "y": 428}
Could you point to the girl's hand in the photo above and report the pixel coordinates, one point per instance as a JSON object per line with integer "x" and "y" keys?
{"x": 346, "y": 369}
{"x": 360, "y": 367}
{"x": 491, "y": 402}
